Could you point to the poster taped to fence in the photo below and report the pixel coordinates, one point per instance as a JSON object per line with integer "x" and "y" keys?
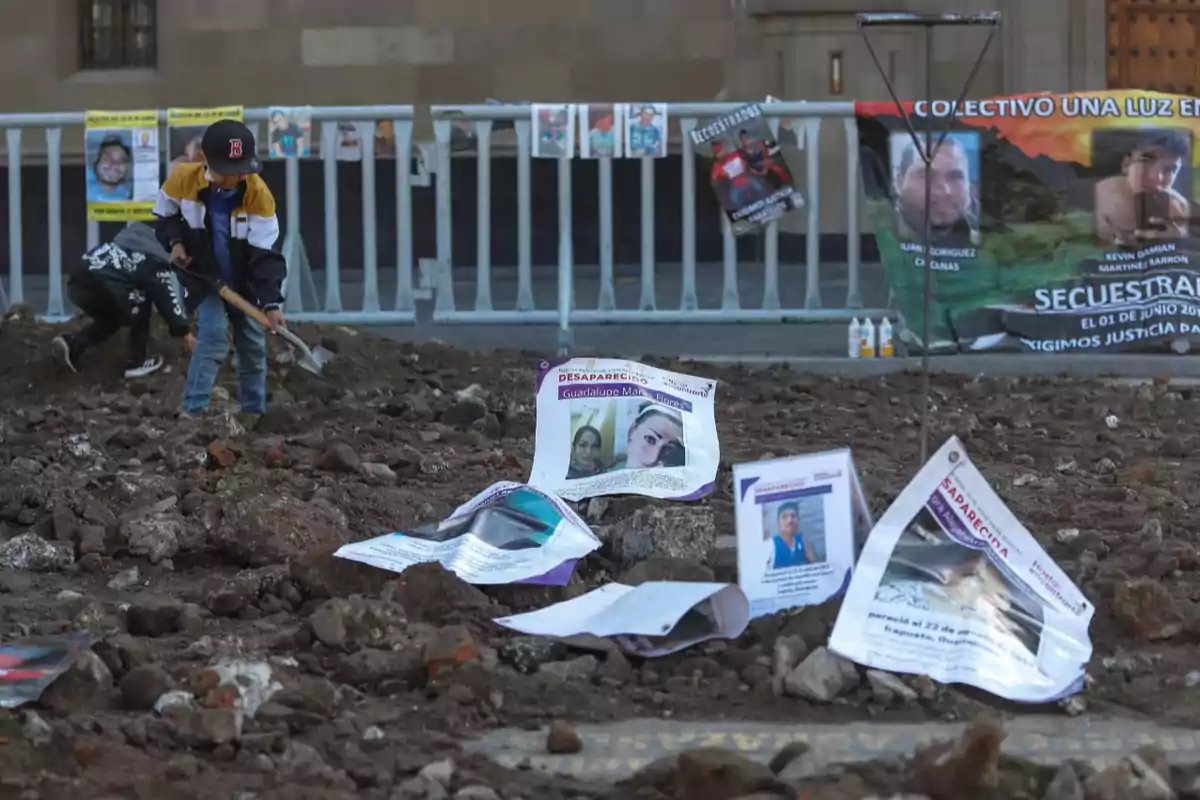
{"x": 508, "y": 533}
{"x": 797, "y": 519}
{"x": 123, "y": 163}
{"x": 186, "y": 126}
{"x": 608, "y": 426}
{"x": 290, "y": 132}
{"x": 646, "y": 130}
{"x": 1061, "y": 222}
{"x": 752, "y": 181}
{"x": 600, "y": 129}
{"x": 553, "y": 130}
{"x": 951, "y": 585}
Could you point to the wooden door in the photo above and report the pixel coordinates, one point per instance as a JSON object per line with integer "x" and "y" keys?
{"x": 1154, "y": 45}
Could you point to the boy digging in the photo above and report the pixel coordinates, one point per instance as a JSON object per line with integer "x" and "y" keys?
{"x": 217, "y": 219}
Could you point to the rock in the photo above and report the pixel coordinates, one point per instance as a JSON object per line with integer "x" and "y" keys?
{"x": 787, "y": 653}
{"x": 465, "y": 410}
{"x": 1145, "y": 609}
{"x": 562, "y": 739}
{"x": 888, "y": 689}
{"x": 663, "y": 568}
{"x": 678, "y": 531}
{"x": 380, "y": 474}
{"x": 419, "y": 788}
{"x": 964, "y": 768}
{"x": 577, "y": 669}
{"x": 342, "y": 623}
{"x": 33, "y": 553}
{"x": 1064, "y": 785}
{"x": 449, "y": 648}
{"x": 526, "y": 654}
{"x": 125, "y": 579}
{"x": 821, "y": 677}
{"x": 440, "y": 772}
{"x": 216, "y": 726}
{"x": 86, "y": 686}
{"x": 339, "y": 458}
{"x": 476, "y": 793}
{"x": 430, "y": 593}
{"x": 379, "y": 668}
{"x": 36, "y": 730}
{"x": 141, "y": 687}
{"x": 706, "y": 773}
{"x": 277, "y": 528}
{"x": 155, "y": 536}
{"x": 154, "y": 617}
{"x": 92, "y": 540}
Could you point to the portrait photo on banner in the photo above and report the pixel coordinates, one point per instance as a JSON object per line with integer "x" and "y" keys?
{"x": 953, "y": 176}
{"x": 110, "y": 165}
{"x": 795, "y": 530}
{"x": 1144, "y": 188}
{"x": 616, "y": 433}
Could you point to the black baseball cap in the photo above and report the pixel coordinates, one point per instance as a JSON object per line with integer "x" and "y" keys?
{"x": 229, "y": 148}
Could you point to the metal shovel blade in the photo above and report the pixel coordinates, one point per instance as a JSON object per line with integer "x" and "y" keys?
{"x": 312, "y": 360}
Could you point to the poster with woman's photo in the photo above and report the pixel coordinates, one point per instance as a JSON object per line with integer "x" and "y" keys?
{"x": 508, "y": 533}
{"x": 600, "y": 129}
{"x": 628, "y": 429}
{"x": 553, "y": 130}
{"x": 950, "y": 585}
{"x": 185, "y": 130}
{"x": 796, "y": 519}
{"x": 289, "y": 132}
{"x": 123, "y": 161}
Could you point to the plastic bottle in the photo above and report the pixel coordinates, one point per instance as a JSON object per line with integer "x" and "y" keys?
{"x": 866, "y": 339}
{"x": 887, "y": 347}
{"x": 854, "y": 342}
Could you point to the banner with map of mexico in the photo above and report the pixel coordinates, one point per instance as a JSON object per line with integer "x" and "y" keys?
{"x": 1060, "y": 222}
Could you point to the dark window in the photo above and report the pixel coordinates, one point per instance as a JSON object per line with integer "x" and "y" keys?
{"x": 118, "y": 34}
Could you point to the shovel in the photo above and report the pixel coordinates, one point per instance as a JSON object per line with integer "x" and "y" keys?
{"x": 311, "y": 359}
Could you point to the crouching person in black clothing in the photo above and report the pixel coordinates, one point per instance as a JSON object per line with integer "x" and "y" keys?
{"x": 119, "y": 285}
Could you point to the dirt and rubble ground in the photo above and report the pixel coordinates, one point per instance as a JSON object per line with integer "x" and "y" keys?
{"x": 183, "y": 545}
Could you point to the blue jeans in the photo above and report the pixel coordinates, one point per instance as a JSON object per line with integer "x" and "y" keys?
{"x": 212, "y": 346}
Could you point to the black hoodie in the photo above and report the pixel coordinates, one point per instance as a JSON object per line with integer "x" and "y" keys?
{"x": 134, "y": 269}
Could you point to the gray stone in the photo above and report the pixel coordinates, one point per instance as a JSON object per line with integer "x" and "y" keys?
{"x": 1065, "y": 785}
{"x": 888, "y": 689}
{"x": 788, "y": 652}
{"x": 821, "y": 677}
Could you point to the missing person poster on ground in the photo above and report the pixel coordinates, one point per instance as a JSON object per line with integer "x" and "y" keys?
{"x": 508, "y": 533}
{"x": 608, "y": 426}
{"x": 950, "y": 585}
{"x": 290, "y": 132}
{"x": 796, "y": 522}
{"x": 122, "y": 164}
{"x": 646, "y": 130}
{"x": 185, "y": 129}
{"x": 600, "y": 129}
{"x": 553, "y": 130}
{"x": 752, "y": 181}
{"x": 656, "y": 618}
{"x": 1061, "y": 222}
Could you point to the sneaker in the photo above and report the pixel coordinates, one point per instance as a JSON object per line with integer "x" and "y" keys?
{"x": 148, "y": 367}
{"x": 61, "y": 350}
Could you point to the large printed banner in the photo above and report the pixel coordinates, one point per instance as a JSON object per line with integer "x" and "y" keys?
{"x": 1060, "y": 222}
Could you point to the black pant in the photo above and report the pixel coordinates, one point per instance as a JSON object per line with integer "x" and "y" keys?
{"x": 108, "y": 316}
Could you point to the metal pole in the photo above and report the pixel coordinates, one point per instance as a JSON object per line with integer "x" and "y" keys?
{"x": 926, "y": 249}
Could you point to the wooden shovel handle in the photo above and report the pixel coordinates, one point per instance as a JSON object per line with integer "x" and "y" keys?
{"x": 245, "y": 306}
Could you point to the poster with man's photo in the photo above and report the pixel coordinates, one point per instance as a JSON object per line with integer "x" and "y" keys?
{"x": 796, "y": 522}
{"x": 646, "y": 130}
{"x": 289, "y": 132}
{"x": 508, "y": 533}
{"x": 600, "y": 129}
{"x": 608, "y": 426}
{"x": 1059, "y": 223}
{"x": 185, "y": 130}
{"x": 123, "y": 161}
{"x": 748, "y": 173}
{"x": 950, "y": 585}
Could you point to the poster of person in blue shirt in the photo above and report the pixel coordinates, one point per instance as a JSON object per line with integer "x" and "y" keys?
{"x": 553, "y": 130}
{"x": 600, "y": 130}
{"x": 647, "y": 126}
{"x": 122, "y": 164}
{"x": 290, "y": 132}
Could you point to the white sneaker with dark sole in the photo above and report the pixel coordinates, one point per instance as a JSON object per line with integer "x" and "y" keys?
{"x": 62, "y": 353}
{"x": 148, "y": 367}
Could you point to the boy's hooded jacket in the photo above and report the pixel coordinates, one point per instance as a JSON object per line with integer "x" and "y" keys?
{"x": 259, "y": 272}
{"x": 134, "y": 269}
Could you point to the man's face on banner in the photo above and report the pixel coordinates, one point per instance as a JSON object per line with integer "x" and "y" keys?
{"x": 950, "y": 185}
{"x": 1153, "y": 169}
